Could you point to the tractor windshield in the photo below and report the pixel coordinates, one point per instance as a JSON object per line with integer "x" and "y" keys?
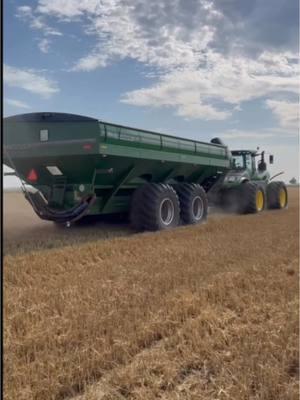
{"x": 238, "y": 162}
{"x": 242, "y": 161}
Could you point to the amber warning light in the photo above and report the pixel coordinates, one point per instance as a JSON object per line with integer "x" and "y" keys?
{"x": 32, "y": 176}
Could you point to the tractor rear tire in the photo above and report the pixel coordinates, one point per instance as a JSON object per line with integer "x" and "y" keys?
{"x": 252, "y": 198}
{"x": 160, "y": 208}
{"x": 193, "y": 203}
{"x": 277, "y": 195}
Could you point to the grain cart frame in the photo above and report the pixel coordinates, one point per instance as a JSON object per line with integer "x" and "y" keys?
{"x": 79, "y": 165}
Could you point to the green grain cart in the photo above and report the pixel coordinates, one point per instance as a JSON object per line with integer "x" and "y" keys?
{"x": 78, "y": 166}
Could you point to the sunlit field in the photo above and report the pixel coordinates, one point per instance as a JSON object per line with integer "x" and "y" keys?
{"x": 199, "y": 312}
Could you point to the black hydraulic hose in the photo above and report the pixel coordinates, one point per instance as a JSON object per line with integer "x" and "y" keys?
{"x": 76, "y": 212}
{"x": 274, "y": 176}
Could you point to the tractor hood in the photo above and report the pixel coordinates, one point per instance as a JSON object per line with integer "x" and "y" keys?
{"x": 236, "y": 177}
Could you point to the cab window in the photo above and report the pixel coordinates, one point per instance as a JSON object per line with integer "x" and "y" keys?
{"x": 248, "y": 160}
{"x": 238, "y": 161}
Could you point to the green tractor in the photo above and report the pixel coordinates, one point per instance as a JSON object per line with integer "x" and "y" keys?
{"x": 248, "y": 187}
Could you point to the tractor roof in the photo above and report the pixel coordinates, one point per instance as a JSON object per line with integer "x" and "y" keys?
{"x": 241, "y": 152}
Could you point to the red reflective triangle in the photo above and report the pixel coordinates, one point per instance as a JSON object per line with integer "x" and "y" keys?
{"x": 32, "y": 176}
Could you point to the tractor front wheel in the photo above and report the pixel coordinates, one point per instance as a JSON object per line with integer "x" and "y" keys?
{"x": 252, "y": 198}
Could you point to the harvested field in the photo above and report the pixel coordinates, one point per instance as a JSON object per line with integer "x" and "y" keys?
{"x": 24, "y": 231}
{"x": 202, "y": 312}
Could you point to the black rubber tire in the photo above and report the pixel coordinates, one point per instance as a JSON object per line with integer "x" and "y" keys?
{"x": 153, "y": 198}
{"x": 187, "y": 193}
{"x": 135, "y": 209}
{"x": 248, "y": 193}
{"x": 273, "y": 195}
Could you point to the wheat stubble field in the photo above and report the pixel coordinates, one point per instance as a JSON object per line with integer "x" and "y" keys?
{"x": 203, "y": 312}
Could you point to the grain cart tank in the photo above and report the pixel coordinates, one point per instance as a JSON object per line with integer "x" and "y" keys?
{"x": 77, "y": 165}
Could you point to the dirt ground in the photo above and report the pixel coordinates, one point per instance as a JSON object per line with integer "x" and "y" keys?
{"x": 24, "y": 231}
{"x": 199, "y": 312}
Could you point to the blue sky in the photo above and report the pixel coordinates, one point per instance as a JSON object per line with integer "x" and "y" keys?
{"x": 193, "y": 68}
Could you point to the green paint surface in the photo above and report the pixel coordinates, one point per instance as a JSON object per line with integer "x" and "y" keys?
{"x": 103, "y": 158}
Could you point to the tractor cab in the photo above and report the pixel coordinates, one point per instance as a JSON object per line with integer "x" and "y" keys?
{"x": 243, "y": 159}
{"x": 245, "y": 167}
{"x": 246, "y": 160}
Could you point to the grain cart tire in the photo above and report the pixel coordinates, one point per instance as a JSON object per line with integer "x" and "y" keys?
{"x": 193, "y": 203}
{"x": 159, "y": 207}
{"x": 252, "y": 198}
{"x": 135, "y": 209}
{"x": 277, "y": 195}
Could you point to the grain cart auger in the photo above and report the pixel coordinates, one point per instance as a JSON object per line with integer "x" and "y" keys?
{"x": 248, "y": 187}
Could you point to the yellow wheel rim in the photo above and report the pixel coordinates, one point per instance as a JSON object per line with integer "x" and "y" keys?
{"x": 259, "y": 200}
{"x": 282, "y": 198}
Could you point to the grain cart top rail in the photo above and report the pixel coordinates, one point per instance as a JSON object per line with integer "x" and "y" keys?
{"x": 77, "y": 163}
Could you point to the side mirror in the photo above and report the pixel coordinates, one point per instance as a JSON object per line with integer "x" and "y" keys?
{"x": 271, "y": 159}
